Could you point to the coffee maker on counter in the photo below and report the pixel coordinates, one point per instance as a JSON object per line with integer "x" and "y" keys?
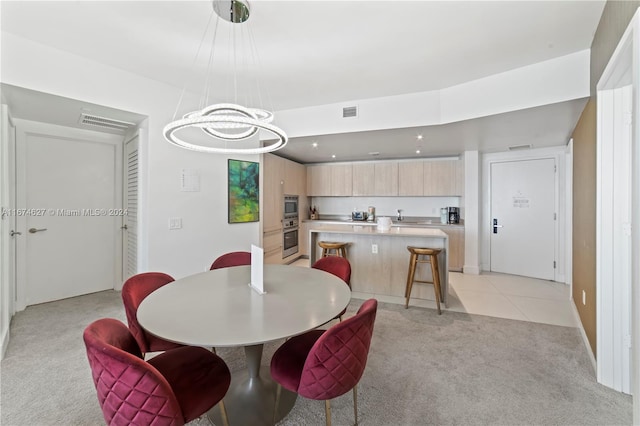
{"x": 454, "y": 214}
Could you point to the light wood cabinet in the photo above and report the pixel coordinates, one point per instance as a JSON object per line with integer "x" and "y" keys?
{"x": 386, "y": 178}
{"x": 319, "y": 180}
{"x": 441, "y": 178}
{"x": 460, "y": 178}
{"x": 295, "y": 178}
{"x": 303, "y": 239}
{"x": 279, "y": 177}
{"x": 329, "y": 180}
{"x": 456, "y": 247}
{"x": 272, "y": 192}
{"x": 363, "y": 179}
{"x": 411, "y": 178}
{"x": 341, "y": 180}
{"x": 272, "y": 246}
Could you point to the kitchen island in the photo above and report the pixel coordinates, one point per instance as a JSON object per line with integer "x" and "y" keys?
{"x": 380, "y": 259}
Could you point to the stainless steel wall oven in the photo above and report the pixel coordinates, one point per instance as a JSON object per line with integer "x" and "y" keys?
{"x": 290, "y": 225}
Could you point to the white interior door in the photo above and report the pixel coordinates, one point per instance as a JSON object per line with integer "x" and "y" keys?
{"x": 523, "y": 226}
{"x": 69, "y": 212}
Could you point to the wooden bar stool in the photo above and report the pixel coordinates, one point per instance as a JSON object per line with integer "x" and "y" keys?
{"x": 339, "y": 249}
{"x": 432, "y": 255}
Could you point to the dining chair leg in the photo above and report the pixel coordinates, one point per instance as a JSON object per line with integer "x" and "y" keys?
{"x": 327, "y": 411}
{"x": 223, "y": 412}
{"x": 355, "y": 403}
{"x": 214, "y": 351}
{"x": 275, "y": 408}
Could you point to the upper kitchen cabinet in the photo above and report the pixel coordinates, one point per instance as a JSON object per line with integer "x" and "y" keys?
{"x": 386, "y": 178}
{"x": 444, "y": 178}
{"x": 411, "y": 178}
{"x": 295, "y": 178}
{"x": 272, "y": 192}
{"x": 329, "y": 180}
{"x": 280, "y": 177}
{"x": 364, "y": 179}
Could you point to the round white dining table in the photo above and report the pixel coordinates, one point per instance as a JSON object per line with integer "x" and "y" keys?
{"x": 219, "y": 309}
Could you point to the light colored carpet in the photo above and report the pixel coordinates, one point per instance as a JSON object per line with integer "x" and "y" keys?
{"x": 423, "y": 369}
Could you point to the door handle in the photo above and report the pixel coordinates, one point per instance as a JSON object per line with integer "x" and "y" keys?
{"x": 34, "y": 230}
{"x": 12, "y": 233}
{"x": 125, "y": 227}
{"x": 496, "y": 226}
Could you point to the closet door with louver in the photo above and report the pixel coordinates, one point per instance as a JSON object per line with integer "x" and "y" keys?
{"x": 130, "y": 220}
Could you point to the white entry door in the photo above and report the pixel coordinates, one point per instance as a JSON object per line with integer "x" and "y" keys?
{"x": 523, "y": 218}
{"x": 69, "y": 212}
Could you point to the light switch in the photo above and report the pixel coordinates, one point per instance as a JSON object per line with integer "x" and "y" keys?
{"x": 175, "y": 223}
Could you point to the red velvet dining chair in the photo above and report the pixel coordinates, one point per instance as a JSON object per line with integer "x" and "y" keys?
{"x": 322, "y": 365}
{"x": 234, "y": 258}
{"x": 172, "y": 388}
{"x": 338, "y": 266}
{"x": 134, "y": 291}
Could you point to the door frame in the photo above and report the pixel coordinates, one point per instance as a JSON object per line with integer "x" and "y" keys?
{"x": 622, "y": 70}
{"x": 23, "y": 129}
{"x": 7, "y": 224}
{"x": 561, "y": 247}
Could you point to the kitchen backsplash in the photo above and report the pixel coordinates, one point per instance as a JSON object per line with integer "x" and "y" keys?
{"x": 385, "y": 206}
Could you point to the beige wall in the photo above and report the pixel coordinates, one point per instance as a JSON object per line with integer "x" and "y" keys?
{"x": 584, "y": 219}
{"x": 615, "y": 19}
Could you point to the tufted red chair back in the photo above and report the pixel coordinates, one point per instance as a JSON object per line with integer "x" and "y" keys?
{"x": 134, "y": 291}
{"x": 130, "y": 390}
{"x": 336, "y": 361}
{"x": 234, "y": 258}
{"x": 338, "y": 266}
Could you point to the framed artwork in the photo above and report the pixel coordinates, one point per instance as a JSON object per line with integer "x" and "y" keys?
{"x": 243, "y": 191}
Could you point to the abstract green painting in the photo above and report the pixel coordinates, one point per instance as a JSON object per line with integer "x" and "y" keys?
{"x": 244, "y": 191}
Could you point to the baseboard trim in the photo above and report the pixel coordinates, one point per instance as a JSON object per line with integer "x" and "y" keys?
{"x": 5, "y": 342}
{"x": 584, "y": 336}
{"x": 473, "y": 270}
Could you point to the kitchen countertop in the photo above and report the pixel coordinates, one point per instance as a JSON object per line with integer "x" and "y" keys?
{"x": 414, "y": 223}
{"x": 372, "y": 229}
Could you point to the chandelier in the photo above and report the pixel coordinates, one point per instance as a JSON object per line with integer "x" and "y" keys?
{"x": 225, "y": 128}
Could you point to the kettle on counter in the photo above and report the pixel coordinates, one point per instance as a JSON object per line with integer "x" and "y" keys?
{"x": 384, "y": 223}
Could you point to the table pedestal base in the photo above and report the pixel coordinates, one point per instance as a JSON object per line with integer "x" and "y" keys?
{"x": 251, "y": 397}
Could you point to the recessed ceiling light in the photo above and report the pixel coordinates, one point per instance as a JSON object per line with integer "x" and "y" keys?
{"x": 374, "y": 153}
{"x": 333, "y": 156}
{"x": 315, "y": 144}
{"x": 417, "y": 151}
{"x": 419, "y": 137}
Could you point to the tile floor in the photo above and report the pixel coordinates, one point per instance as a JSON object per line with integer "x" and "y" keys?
{"x": 499, "y": 295}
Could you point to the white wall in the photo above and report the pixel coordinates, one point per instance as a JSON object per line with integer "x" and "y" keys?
{"x": 556, "y": 80}
{"x": 472, "y": 224}
{"x": 205, "y": 233}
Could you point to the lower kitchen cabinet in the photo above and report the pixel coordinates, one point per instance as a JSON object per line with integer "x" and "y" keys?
{"x": 456, "y": 247}
{"x": 272, "y": 246}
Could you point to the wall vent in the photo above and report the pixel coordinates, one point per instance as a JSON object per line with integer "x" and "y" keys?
{"x": 517, "y": 147}
{"x": 348, "y": 112}
{"x": 104, "y": 122}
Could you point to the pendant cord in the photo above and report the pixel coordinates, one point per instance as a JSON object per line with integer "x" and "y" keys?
{"x": 184, "y": 87}
{"x": 204, "y": 101}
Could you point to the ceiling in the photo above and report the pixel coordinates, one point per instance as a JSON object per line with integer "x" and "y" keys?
{"x": 319, "y": 52}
